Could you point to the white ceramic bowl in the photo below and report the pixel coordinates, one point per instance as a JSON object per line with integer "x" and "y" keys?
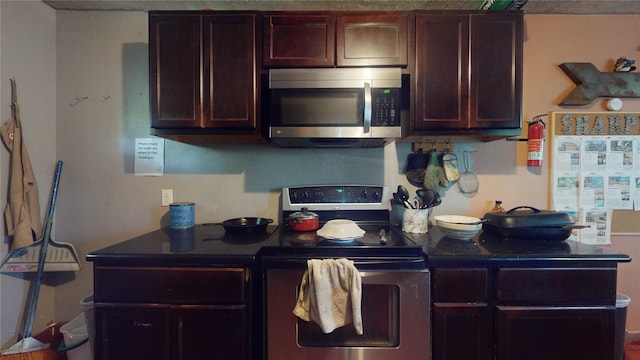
{"x": 340, "y": 229}
{"x": 458, "y": 226}
{"x": 459, "y": 234}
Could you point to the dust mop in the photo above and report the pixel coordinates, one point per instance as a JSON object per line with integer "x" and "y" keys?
{"x": 29, "y": 348}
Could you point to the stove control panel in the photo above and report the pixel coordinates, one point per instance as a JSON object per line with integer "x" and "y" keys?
{"x": 356, "y": 197}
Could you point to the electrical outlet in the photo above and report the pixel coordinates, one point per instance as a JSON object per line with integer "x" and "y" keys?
{"x": 167, "y": 197}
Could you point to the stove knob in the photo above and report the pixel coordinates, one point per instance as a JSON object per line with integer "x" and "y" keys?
{"x": 364, "y": 194}
{"x": 306, "y": 196}
{"x": 376, "y": 195}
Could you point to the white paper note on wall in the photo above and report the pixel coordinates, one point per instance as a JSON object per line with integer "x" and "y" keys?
{"x": 149, "y": 155}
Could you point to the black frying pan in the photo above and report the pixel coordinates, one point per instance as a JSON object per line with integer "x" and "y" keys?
{"x": 246, "y": 224}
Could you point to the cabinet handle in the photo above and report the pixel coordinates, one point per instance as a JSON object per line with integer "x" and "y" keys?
{"x": 142, "y": 324}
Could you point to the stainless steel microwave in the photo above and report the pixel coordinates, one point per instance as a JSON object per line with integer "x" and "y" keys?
{"x": 336, "y": 107}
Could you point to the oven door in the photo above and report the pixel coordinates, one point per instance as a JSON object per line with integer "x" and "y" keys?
{"x": 395, "y": 316}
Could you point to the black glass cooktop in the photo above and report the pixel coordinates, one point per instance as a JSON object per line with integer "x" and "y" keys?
{"x": 381, "y": 241}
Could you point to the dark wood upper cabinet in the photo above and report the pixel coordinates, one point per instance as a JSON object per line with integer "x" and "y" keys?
{"x": 204, "y": 75}
{"x": 465, "y": 68}
{"x": 496, "y": 71}
{"x": 174, "y": 70}
{"x": 442, "y": 73}
{"x": 298, "y": 40}
{"x": 335, "y": 39}
{"x": 468, "y": 78}
{"x": 229, "y": 71}
{"x": 368, "y": 40}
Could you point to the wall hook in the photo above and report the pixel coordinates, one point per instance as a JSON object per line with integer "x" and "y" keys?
{"x": 79, "y": 99}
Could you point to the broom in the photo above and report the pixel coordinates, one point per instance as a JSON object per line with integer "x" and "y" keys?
{"x": 30, "y": 348}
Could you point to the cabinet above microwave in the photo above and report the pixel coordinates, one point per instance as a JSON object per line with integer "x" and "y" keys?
{"x": 328, "y": 39}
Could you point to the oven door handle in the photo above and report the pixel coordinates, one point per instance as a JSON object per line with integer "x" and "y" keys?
{"x": 367, "y": 108}
{"x": 386, "y": 263}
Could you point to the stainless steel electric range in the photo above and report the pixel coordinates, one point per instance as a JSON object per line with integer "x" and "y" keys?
{"x": 395, "y": 282}
{"x": 368, "y": 206}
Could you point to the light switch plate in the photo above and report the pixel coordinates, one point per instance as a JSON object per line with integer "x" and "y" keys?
{"x": 167, "y": 197}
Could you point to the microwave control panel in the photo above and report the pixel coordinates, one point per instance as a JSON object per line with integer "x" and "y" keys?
{"x": 385, "y": 107}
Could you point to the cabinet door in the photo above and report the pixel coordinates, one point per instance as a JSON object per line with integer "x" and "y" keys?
{"x": 174, "y": 70}
{"x": 371, "y": 40}
{"x": 555, "y": 333}
{"x": 496, "y": 71}
{"x": 230, "y": 71}
{"x": 461, "y": 331}
{"x": 299, "y": 40}
{"x": 216, "y": 333}
{"x": 461, "y": 318}
{"x": 131, "y": 333}
{"x": 442, "y": 71}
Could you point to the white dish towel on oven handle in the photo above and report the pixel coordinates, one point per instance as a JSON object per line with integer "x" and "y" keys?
{"x": 330, "y": 294}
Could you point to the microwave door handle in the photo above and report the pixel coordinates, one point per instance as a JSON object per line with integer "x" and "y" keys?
{"x": 367, "y": 107}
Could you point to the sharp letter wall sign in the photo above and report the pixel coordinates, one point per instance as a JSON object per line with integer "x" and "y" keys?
{"x": 591, "y": 83}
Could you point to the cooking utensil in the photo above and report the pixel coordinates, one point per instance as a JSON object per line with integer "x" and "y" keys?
{"x": 529, "y": 223}
{"x": 468, "y": 182}
{"x": 437, "y": 199}
{"x": 403, "y": 194}
{"x": 416, "y": 166}
{"x": 304, "y": 220}
{"x": 427, "y": 197}
{"x": 246, "y": 224}
{"x": 396, "y": 200}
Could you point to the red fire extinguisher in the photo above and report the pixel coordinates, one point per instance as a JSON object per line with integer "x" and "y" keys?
{"x": 535, "y": 141}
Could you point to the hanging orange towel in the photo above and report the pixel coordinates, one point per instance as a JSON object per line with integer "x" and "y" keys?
{"x": 22, "y": 214}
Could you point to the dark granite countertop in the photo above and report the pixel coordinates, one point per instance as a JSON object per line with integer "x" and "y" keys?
{"x": 210, "y": 245}
{"x": 201, "y": 245}
{"x": 486, "y": 248}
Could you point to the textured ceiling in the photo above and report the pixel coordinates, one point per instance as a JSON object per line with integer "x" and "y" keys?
{"x": 531, "y": 7}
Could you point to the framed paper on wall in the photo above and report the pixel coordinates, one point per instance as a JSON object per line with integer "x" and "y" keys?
{"x": 595, "y": 171}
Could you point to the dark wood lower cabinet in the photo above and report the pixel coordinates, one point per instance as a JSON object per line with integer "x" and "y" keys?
{"x": 216, "y": 331}
{"x": 461, "y": 331}
{"x": 172, "y": 313}
{"x": 175, "y": 332}
{"x": 555, "y": 333}
{"x": 132, "y": 333}
{"x": 533, "y": 312}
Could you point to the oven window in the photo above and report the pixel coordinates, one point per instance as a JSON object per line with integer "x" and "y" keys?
{"x": 317, "y": 107}
{"x": 380, "y": 320}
